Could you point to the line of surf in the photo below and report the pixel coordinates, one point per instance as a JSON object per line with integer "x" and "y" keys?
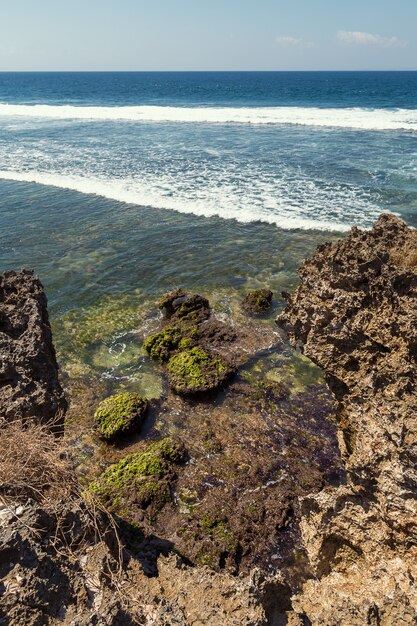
{"x": 120, "y": 191}
{"x": 354, "y": 118}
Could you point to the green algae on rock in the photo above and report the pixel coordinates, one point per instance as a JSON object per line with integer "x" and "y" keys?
{"x": 139, "y": 480}
{"x": 257, "y": 301}
{"x": 161, "y": 345}
{"x": 119, "y": 415}
{"x": 196, "y": 371}
{"x": 217, "y": 541}
{"x": 185, "y": 344}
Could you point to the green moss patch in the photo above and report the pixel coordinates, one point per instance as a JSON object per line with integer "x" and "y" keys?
{"x": 196, "y": 371}
{"x": 161, "y": 345}
{"x": 119, "y": 415}
{"x": 217, "y": 541}
{"x": 139, "y": 480}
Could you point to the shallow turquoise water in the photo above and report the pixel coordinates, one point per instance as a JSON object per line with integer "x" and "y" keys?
{"x": 84, "y": 247}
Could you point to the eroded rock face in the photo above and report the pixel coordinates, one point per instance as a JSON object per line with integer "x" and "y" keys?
{"x": 29, "y": 385}
{"x": 355, "y": 315}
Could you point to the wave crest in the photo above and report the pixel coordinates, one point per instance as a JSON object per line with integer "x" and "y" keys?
{"x": 353, "y": 118}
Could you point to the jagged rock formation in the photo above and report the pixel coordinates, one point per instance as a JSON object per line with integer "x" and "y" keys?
{"x": 29, "y": 385}
{"x": 355, "y": 315}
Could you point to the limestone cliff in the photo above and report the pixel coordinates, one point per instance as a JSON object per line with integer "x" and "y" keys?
{"x": 355, "y": 315}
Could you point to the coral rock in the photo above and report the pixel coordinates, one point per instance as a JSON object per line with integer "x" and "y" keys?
{"x": 355, "y": 315}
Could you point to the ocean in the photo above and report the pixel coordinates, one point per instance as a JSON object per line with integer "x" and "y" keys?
{"x": 117, "y": 186}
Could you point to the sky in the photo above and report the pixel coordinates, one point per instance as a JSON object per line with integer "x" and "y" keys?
{"x": 61, "y": 35}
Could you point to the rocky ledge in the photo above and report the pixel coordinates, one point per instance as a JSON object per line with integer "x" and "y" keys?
{"x": 29, "y": 385}
{"x": 355, "y": 315}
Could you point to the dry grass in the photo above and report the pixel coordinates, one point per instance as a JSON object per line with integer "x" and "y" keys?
{"x": 34, "y": 464}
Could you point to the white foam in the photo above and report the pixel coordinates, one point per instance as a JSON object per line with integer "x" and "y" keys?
{"x": 225, "y": 204}
{"x": 354, "y": 118}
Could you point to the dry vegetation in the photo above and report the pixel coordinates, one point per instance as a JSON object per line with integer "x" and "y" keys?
{"x": 34, "y": 464}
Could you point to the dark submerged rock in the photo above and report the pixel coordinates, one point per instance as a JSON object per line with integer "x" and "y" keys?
{"x": 257, "y": 301}
{"x": 180, "y": 305}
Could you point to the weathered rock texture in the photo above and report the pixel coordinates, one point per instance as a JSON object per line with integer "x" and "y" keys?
{"x": 355, "y": 315}
{"x": 29, "y": 385}
{"x": 55, "y": 569}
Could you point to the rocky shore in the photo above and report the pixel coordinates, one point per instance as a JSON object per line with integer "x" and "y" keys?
{"x": 355, "y": 315}
{"x": 237, "y": 499}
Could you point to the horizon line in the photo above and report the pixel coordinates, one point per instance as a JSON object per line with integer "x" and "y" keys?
{"x": 229, "y": 71}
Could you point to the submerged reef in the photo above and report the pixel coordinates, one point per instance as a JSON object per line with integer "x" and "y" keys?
{"x": 119, "y": 415}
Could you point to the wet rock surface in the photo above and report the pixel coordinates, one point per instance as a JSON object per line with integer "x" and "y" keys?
{"x": 355, "y": 315}
{"x": 257, "y": 301}
{"x": 29, "y": 385}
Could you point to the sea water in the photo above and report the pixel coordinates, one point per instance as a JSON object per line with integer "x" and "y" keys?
{"x": 127, "y": 184}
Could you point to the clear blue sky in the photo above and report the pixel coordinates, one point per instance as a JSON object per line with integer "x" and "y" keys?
{"x": 208, "y": 34}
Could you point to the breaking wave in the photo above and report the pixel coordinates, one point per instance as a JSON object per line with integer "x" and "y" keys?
{"x": 353, "y": 118}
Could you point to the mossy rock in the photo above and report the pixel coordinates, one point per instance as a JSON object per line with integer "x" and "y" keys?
{"x": 161, "y": 345}
{"x": 120, "y": 415}
{"x": 139, "y": 480}
{"x": 197, "y": 371}
{"x": 257, "y": 301}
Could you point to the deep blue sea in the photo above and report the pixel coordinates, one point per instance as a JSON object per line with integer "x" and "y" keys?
{"x": 131, "y": 183}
